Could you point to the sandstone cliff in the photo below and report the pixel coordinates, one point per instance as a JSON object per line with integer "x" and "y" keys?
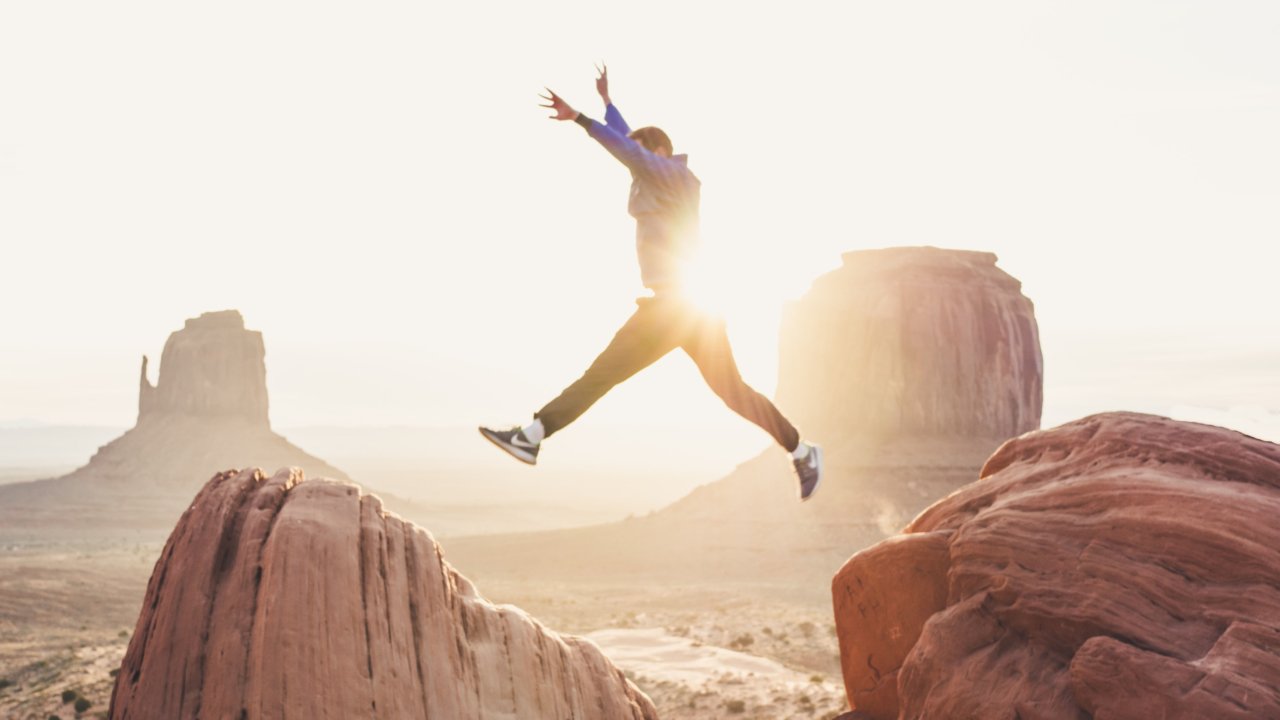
{"x": 279, "y": 598}
{"x": 1120, "y": 566}
{"x": 213, "y": 367}
{"x": 912, "y": 342}
{"x": 207, "y": 412}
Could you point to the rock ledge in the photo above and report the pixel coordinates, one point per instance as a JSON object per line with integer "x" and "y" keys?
{"x": 279, "y": 598}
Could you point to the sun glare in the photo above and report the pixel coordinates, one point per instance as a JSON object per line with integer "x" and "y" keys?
{"x": 709, "y": 287}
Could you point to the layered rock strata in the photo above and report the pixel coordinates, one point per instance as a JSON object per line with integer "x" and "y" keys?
{"x": 915, "y": 342}
{"x": 279, "y": 598}
{"x": 212, "y": 367}
{"x": 1120, "y": 566}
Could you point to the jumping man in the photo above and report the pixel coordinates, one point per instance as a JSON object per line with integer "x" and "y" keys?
{"x": 664, "y": 202}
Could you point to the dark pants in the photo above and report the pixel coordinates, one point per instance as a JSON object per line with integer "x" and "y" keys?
{"x": 662, "y": 324}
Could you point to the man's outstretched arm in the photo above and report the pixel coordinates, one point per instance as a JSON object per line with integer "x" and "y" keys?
{"x": 628, "y": 151}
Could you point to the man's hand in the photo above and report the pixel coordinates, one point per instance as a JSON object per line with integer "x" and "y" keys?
{"x": 602, "y": 83}
{"x": 561, "y": 108}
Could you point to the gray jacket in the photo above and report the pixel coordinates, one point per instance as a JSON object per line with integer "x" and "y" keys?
{"x": 664, "y": 201}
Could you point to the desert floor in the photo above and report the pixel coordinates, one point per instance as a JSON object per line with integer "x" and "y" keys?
{"x": 750, "y": 651}
{"x": 66, "y": 613}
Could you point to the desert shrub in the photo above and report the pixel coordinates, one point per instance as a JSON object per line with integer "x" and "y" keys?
{"x": 114, "y": 672}
{"x": 5, "y": 682}
{"x": 82, "y": 704}
{"x": 69, "y": 695}
{"x": 124, "y": 633}
{"x": 807, "y": 628}
{"x": 815, "y": 678}
{"x": 735, "y": 707}
{"x": 742, "y": 642}
{"x": 54, "y": 717}
{"x": 767, "y": 631}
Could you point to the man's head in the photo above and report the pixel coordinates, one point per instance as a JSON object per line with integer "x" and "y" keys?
{"x": 653, "y": 140}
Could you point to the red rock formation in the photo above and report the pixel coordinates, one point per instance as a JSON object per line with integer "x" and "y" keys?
{"x": 1120, "y": 566}
{"x": 917, "y": 343}
{"x": 208, "y": 412}
{"x": 288, "y": 599}
{"x": 212, "y": 367}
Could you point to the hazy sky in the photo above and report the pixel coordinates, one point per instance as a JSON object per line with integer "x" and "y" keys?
{"x": 375, "y": 188}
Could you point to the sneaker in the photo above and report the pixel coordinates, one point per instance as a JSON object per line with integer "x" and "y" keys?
{"x": 514, "y": 442}
{"x": 809, "y": 470}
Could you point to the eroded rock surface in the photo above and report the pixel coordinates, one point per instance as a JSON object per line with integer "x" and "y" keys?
{"x": 915, "y": 342}
{"x": 1120, "y": 566}
{"x": 279, "y": 598}
{"x": 212, "y": 367}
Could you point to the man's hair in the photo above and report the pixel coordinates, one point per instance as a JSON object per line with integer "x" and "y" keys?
{"x": 652, "y": 138}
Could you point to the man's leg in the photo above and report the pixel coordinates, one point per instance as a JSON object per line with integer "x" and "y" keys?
{"x": 708, "y": 345}
{"x": 643, "y": 340}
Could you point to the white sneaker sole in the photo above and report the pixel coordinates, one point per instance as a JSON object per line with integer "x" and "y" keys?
{"x": 818, "y": 484}
{"x": 522, "y": 455}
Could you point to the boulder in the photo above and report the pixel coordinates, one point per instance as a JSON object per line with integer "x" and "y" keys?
{"x": 1120, "y": 566}
{"x": 285, "y": 598}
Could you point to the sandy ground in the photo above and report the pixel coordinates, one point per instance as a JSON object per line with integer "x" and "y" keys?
{"x": 751, "y": 651}
{"x": 699, "y": 651}
{"x": 65, "y": 618}
{"x": 689, "y": 678}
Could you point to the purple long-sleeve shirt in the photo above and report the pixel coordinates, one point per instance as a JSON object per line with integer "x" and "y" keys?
{"x": 664, "y": 201}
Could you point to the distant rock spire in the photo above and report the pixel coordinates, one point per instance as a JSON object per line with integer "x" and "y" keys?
{"x": 212, "y": 367}
{"x": 146, "y": 391}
